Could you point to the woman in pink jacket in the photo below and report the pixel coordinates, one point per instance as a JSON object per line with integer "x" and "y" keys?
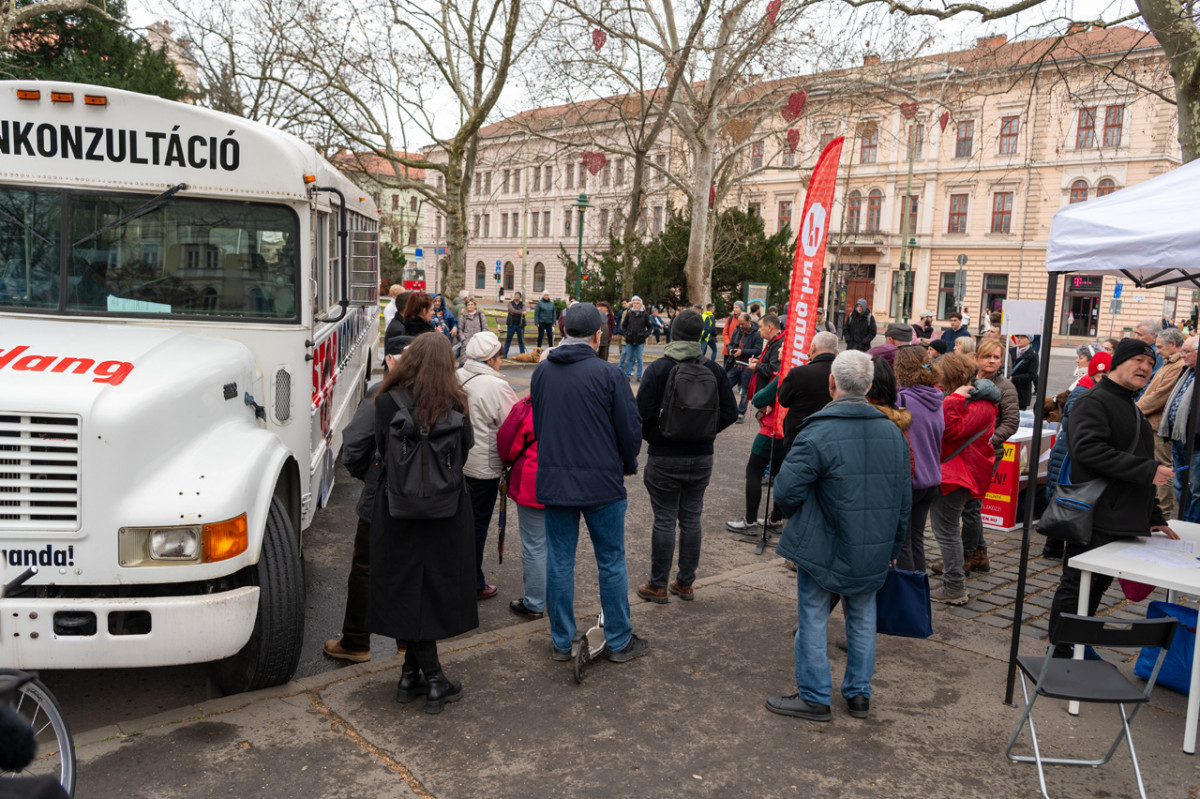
{"x": 518, "y": 450}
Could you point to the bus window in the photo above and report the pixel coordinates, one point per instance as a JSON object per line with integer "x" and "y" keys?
{"x": 29, "y": 248}
{"x": 186, "y": 257}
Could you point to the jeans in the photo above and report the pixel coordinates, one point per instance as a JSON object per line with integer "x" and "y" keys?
{"x": 548, "y": 329}
{"x": 519, "y": 332}
{"x": 947, "y": 514}
{"x": 756, "y": 467}
{"x": 1178, "y": 458}
{"x": 972, "y": 521}
{"x": 355, "y": 635}
{"x": 532, "y": 524}
{"x": 744, "y": 377}
{"x": 623, "y": 358}
{"x": 483, "y": 502}
{"x": 606, "y": 527}
{"x": 813, "y": 679}
{"x": 1066, "y": 598}
{"x": 676, "y": 487}
{"x": 912, "y": 553}
{"x": 710, "y": 345}
{"x": 631, "y": 355}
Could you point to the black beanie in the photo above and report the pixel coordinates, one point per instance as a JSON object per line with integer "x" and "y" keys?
{"x": 688, "y": 326}
{"x": 1131, "y": 348}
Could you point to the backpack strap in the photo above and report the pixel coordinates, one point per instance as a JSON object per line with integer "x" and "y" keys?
{"x": 965, "y": 444}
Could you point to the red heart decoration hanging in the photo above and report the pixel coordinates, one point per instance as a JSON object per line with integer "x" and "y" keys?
{"x": 773, "y": 10}
{"x": 599, "y": 37}
{"x": 796, "y": 101}
{"x": 793, "y": 139}
{"x": 944, "y": 119}
{"x": 587, "y": 158}
{"x": 596, "y": 163}
{"x": 908, "y": 110}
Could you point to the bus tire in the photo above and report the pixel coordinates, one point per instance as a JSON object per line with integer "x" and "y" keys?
{"x": 273, "y": 651}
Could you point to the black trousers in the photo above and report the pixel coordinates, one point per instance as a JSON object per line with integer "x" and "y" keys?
{"x": 1066, "y": 598}
{"x": 756, "y": 467}
{"x": 912, "y": 553}
{"x": 355, "y": 635}
{"x": 423, "y": 655}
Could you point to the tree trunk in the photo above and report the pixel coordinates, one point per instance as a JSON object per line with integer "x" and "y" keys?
{"x": 636, "y": 199}
{"x": 699, "y": 259}
{"x": 1180, "y": 39}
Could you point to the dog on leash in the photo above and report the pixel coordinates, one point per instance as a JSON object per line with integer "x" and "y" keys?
{"x": 530, "y": 356}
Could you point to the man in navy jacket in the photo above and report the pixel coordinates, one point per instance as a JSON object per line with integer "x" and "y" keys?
{"x": 588, "y": 432}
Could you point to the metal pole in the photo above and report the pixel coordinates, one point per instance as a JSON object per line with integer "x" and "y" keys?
{"x": 1031, "y": 489}
{"x": 579, "y": 260}
{"x": 905, "y": 215}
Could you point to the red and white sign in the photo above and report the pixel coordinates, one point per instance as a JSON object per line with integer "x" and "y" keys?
{"x": 804, "y": 298}
{"x": 111, "y": 372}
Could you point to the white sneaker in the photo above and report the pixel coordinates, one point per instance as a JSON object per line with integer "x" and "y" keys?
{"x": 770, "y": 525}
{"x": 739, "y": 526}
{"x": 949, "y": 596}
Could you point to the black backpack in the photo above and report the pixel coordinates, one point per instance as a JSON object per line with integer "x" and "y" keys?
{"x": 691, "y": 404}
{"x": 424, "y": 465}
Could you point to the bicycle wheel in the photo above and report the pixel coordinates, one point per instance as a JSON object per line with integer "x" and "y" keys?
{"x": 56, "y": 748}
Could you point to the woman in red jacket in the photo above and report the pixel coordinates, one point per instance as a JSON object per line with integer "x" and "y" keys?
{"x": 967, "y": 457}
{"x": 518, "y": 450}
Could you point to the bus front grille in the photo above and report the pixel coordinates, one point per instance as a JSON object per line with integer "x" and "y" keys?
{"x": 39, "y": 471}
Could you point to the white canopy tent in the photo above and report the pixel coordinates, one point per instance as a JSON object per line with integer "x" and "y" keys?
{"x": 1148, "y": 233}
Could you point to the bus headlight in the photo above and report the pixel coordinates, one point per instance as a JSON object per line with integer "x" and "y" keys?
{"x": 174, "y": 543}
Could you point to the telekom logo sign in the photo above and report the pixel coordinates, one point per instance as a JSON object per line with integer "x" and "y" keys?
{"x": 812, "y": 234}
{"x": 812, "y": 241}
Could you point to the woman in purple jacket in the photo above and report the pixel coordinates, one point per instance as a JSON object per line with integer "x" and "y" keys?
{"x": 918, "y": 394}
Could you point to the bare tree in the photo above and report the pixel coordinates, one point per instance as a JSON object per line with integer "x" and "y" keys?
{"x": 12, "y": 14}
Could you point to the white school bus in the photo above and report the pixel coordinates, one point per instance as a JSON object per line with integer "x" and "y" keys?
{"x": 188, "y": 309}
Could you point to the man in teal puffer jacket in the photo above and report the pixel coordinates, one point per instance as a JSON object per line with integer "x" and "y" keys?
{"x": 846, "y": 487}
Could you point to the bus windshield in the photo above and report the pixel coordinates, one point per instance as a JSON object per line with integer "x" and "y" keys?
{"x": 183, "y": 257}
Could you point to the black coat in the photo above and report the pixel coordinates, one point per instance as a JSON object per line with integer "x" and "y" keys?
{"x": 1100, "y": 442}
{"x": 804, "y": 391}
{"x": 768, "y": 364}
{"x": 859, "y": 330}
{"x": 358, "y": 454}
{"x": 1024, "y": 375}
{"x": 635, "y": 326}
{"x": 422, "y": 572}
{"x": 650, "y": 399}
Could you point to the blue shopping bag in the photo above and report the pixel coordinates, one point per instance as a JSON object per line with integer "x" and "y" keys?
{"x": 902, "y": 605}
{"x": 1176, "y": 671}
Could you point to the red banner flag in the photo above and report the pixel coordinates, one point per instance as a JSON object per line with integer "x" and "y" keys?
{"x": 804, "y": 298}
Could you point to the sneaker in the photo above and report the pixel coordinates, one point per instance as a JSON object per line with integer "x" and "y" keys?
{"x": 651, "y": 593}
{"x": 741, "y": 419}
{"x": 795, "y": 706}
{"x": 949, "y": 596}
{"x": 739, "y": 526}
{"x": 766, "y": 479}
{"x": 634, "y": 649}
{"x": 684, "y": 592}
{"x": 771, "y": 525}
{"x": 333, "y": 647}
{"x": 558, "y": 654}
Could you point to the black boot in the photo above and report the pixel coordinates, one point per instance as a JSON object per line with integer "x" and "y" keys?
{"x": 411, "y": 684}
{"x": 441, "y": 691}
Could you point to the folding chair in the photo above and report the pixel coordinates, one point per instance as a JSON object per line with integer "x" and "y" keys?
{"x": 1094, "y": 681}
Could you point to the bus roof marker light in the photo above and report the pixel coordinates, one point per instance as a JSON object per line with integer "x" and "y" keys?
{"x": 310, "y": 178}
{"x": 62, "y": 97}
{"x": 28, "y": 94}
{"x": 95, "y": 99}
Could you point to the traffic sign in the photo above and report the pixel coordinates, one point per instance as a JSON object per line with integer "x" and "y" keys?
{"x": 962, "y": 260}
{"x": 417, "y": 254}
{"x": 960, "y": 283}
{"x": 497, "y": 266}
{"x": 1117, "y": 290}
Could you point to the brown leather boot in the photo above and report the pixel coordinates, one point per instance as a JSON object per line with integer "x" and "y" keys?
{"x": 968, "y": 563}
{"x": 980, "y": 561}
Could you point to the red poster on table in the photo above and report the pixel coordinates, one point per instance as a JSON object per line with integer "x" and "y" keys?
{"x": 804, "y": 297}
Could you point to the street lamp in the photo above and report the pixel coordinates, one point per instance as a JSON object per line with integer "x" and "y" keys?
{"x": 582, "y": 204}
{"x": 906, "y": 297}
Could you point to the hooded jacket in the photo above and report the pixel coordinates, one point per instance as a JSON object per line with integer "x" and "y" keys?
{"x": 845, "y": 487}
{"x": 925, "y": 433}
{"x": 965, "y": 416}
{"x": 443, "y": 318}
{"x": 544, "y": 313}
{"x": 489, "y": 399}
{"x": 588, "y": 428}
{"x": 859, "y": 330}
{"x": 518, "y": 449}
{"x": 1024, "y": 373}
{"x": 635, "y": 326}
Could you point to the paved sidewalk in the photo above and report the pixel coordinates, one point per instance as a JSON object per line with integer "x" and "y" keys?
{"x": 686, "y": 719}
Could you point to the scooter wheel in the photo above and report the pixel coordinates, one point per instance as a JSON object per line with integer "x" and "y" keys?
{"x": 580, "y": 664}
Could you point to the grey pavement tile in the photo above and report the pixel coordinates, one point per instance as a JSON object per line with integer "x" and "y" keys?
{"x": 995, "y": 621}
{"x": 962, "y": 612}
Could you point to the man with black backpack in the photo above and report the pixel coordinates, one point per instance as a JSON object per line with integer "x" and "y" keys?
{"x": 685, "y": 401}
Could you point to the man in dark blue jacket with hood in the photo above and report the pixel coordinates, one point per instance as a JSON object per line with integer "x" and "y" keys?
{"x": 589, "y": 432}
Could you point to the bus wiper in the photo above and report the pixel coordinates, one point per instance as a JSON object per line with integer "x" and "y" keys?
{"x": 144, "y": 209}
{"x": 16, "y": 221}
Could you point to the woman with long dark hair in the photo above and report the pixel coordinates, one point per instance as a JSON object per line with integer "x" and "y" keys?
{"x": 422, "y": 570}
{"x": 418, "y": 314}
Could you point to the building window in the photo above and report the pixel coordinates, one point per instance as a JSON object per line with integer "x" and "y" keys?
{"x": 995, "y": 291}
{"x": 1002, "y": 211}
{"x": 945, "y": 305}
{"x": 504, "y": 226}
{"x": 853, "y": 210}
{"x": 508, "y": 275}
{"x": 658, "y": 219}
{"x": 548, "y": 179}
{"x": 516, "y": 181}
{"x": 787, "y": 156}
{"x": 756, "y": 154}
{"x": 754, "y": 209}
{"x": 537, "y": 178}
{"x": 606, "y": 174}
{"x": 958, "y": 214}
{"x": 1085, "y": 136}
{"x": 533, "y": 224}
{"x": 412, "y": 203}
{"x": 1114, "y": 116}
{"x": 378, "y": 198}
{"x": 412, "y": 236}
{"x": 1079, "y": 192}
{"x": 620, "y": 172}
{"x": 488, "y": 183}
{"x": 441, "y": 182}
{"x": 504, "y": 182}
{"x": 582, "y": 177}
{"x": 874, "y": 210}
{"x": 823, "y": 141}
{"x": 478, "y": 185}
{"x": 911, "y": 205}
{"x": 438, "y": 227}
{"x": 604, "y": 231}
{"x": 546, "y": 223}
{"x": 570, "y": 171}
{"x": 784, "y": 218}
{"x": 1105, "y": 187}
{"x": 475, "y": 226}
{"x": 395, "y": 202}
{"x": 916, "y": 141}
{"x": 964, "y": 142}
{"x": 567, "y": 221}
{"x": 1009, "y": 128}
{"x": 480, "y": 275}
{"x": 1170, "y": 302}
{"x": 869, "y": 148}
{"x": 487, "y": 225}
{"x": 539, "y": 277}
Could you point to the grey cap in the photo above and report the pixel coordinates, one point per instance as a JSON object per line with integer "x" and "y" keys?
{"x": 582, "y": 320}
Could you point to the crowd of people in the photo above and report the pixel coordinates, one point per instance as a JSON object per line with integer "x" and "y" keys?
{"x": 875, "y": 441}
